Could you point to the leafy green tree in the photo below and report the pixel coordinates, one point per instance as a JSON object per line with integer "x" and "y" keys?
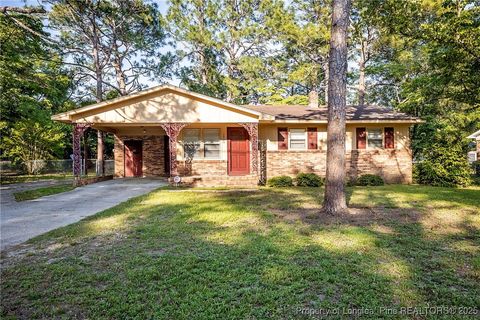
{"x": 445, "y": 166}
{"x": 192, "y": 25}
{"x": 135, "y": 32}
{"x": 33, "y": 83}
{"x": 226, "y": 42}
{"x": 432, "y": 70}
{"x": 29, "y": 141}
{"x": 303, "y": 31}
{"x": 109, "y": 44}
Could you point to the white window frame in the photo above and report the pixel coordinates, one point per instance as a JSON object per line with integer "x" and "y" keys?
{"x": 200, "y": 153}
{"x": 218, "y": 142}
{"x": 305, "y": 138}
{"x": 382, "y": 132}
{"x": 199, "y": 135}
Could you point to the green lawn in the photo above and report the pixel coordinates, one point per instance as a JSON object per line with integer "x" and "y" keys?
{"x": 41, "y": 192}
{"x": 225, "y": 255}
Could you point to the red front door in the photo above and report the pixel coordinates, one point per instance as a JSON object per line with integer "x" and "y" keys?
{"x": 133, "y": 158}
{"x": 238, "y": 151}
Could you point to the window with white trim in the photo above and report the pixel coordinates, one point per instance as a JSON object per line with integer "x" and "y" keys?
{"x": 201, "y": 143}
{"x": 298, "y": 139}
{"x": 375, "y": 138}
{"x": 211, "y": 145}
{"x": 191, "y": 143}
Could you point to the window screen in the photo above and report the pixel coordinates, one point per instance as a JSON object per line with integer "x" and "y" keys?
{"x": 375, "y": 138}
{"x": 297, "y": 139}
{"x": 211, "y": 139}
{"x": 191, "y": 143}
{"x": 389, "y": 138}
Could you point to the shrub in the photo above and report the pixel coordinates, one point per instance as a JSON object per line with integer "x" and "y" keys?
{"x": 369, "y": 180}
{"x": 444, "y": 167}
{"x": 280, "y": 181}
{"x": 308, "y": 180}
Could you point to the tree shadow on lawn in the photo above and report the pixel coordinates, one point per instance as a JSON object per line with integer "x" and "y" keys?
{"x": 440, "y": 267}
{"x": 239, "y": 255}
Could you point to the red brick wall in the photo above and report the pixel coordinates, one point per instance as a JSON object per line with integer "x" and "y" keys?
{"x": 118, "y": 155}
{"x": 153, "y": 156}
{"x": 288, "y": 162}
{"x": 152, "y": 152}
{"x": 395, "y": 166}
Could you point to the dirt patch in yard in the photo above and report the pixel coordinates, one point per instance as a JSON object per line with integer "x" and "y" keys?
{"x": 355, "y": 216}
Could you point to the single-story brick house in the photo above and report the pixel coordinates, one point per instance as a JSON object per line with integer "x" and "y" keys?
{"x": 168, "y": 131}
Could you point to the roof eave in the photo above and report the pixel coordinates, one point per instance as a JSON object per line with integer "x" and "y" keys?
{"x": 61, "y": 117}
{"x": 406, "y": 121}
{"x": 66, "y": 116}
{"x": 475, "y": 135}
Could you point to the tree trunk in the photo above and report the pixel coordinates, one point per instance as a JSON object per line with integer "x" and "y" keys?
{"x": 325, "y": 67}
{"x": 202, "y": 50}
{"x": 99, "y": 98}
{"x": 120, "y": 74}
{"x": 335, "y": 202}
{"x": 231, "y": 76}
{"x": 203, "y": 66}
{"x": 313, "y": 99}
{"x": 361, "y": 79}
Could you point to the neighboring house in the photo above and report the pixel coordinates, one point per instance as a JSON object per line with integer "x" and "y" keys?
{"x": 168, "y": 131}
{"x": 475, "y": 136}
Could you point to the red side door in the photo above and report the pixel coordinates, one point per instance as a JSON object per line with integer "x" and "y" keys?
{"x": 238, "y": 151}
{"x": 133, "y": 158}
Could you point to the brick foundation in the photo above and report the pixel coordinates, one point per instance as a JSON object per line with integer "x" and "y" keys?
{"x": 202, "y": 168}
{"x": 219, "y": 181}
{"x": 395, "y": 166}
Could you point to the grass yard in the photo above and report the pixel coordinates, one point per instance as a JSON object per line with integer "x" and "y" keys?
{"x": 41, "y": 192}
{"x": 224, "y": 255}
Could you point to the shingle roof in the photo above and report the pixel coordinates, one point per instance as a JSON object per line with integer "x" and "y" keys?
{"x": 302, "y": 112}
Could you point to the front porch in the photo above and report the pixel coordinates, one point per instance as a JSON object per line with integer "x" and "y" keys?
{"x": 214, "y": 154}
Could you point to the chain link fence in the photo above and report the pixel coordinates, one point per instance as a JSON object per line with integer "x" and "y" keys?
{"x": 64, "y": 166}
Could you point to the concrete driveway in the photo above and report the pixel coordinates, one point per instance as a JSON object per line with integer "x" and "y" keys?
{"x": 20, "y": 221}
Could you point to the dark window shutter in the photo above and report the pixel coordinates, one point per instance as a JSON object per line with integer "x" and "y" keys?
{"x": 312, "y": 138}
{"x": 282, "y": 139}
{"x": 389, "y": 138}
{"x": 361, "y": 138}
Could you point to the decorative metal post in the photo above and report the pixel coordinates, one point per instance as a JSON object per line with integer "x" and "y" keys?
{"x": 263, "y": 162}
{"x": 78, "y": 130}
{"x": 252, "y": 129}
{"x": 173, "y": 130}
